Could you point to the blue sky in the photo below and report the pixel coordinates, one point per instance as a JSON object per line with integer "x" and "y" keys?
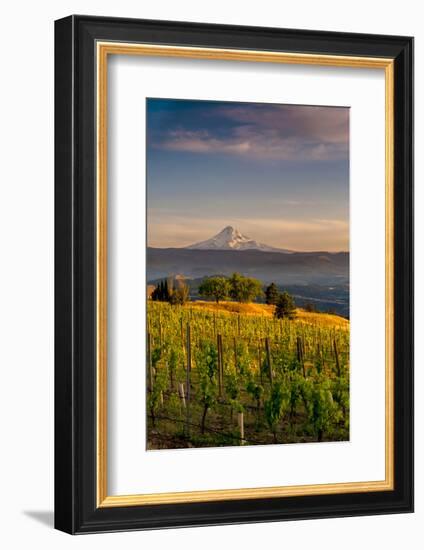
{"x": 279, "y": 173}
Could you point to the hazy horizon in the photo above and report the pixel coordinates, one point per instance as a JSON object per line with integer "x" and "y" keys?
{"x": 277, "y": 173}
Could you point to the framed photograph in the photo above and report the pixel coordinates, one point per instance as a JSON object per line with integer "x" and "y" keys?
{"x": 234, "y": 274}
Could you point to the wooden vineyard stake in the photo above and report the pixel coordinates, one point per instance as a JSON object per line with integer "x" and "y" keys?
{"x": 300, "y": 354}
{"x": 235, "y": 354}
{"x": 319, "y": 356}
{"x": 171, "y": 377}
{"x": 149, "y": 360}
{"x": 181, "y": 392}
{"x": 214, "y": 324}
{"x": 240, "y": 419}
{"x": 220, "y": 366}
{"x": 336, "y": 356}
{"x": 260, "y": 364}
{"x": 160, "y": 330}
{"x": 268, "y": 359}
{"x": 188, "y": 373}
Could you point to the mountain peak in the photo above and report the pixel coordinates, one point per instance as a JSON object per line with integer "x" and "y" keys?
{"x": 230, "y": 238}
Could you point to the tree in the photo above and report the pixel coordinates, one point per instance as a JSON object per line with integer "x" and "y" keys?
{"x": 285, "y": 306}
{"x": 215, "y": 287}
{"x": 180, "y": 294}
{"x": 310, "y": 307}
{"x": 160, "y": 293}
{"x": 271, "y": 294}
{"x": 244, "y": 289}
{"x": 166, "y": 290}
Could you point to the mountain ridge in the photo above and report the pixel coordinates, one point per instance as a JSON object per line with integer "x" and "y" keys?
{"x": 298, "y": 267}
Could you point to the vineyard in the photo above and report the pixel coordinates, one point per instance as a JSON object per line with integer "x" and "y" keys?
{"x": 221, "y": 375}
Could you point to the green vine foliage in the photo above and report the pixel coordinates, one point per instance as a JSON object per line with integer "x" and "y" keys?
{"x": 304, "y": 397}
{"x": 276, "y": 406}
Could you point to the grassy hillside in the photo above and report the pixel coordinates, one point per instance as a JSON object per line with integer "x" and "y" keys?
{"x": 263, "y": 310}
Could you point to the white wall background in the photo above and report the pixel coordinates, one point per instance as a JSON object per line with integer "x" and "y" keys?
{"x": 26, "y": 274}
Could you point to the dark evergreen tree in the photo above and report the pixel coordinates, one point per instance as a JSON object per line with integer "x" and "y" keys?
{"x": 166, "y": 291}
{"x": 285, "y": 307}
{"x": 310, "y": 307}
{"x": 155, "y": 296}
{"x": 271, "y": 294}
{"x": 161, "y": 292}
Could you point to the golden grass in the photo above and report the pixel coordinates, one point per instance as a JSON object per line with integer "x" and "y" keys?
{"x": 234, "y": 307}
{"x": 324, "y": 319}
{"x": 253, "y": 309}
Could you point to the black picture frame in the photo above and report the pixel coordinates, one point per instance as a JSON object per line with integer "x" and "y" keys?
{"x": 76, "y": 510}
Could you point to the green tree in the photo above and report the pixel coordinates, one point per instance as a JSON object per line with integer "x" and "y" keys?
{"x": 244, "y": 289}
{"x": 215, "y": 287}
{"x": 285, "y": 306}
{"x": 271, "y": 294}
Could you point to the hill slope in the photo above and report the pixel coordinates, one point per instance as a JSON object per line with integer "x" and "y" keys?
{"x": 254, "y": 309}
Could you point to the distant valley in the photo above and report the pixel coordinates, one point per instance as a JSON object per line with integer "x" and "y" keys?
{"x": 320, "y": 278}
{"x": 296, "y": 268}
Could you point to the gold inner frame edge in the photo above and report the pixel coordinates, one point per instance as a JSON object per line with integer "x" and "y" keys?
{"x": 103, "y": 49}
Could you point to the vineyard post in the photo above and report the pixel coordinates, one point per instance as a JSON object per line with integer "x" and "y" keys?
{"x": 322, "y": 351}
{"x": 160, "y": 330}
{"x": 268, "y": 359}
{"x": 220, "y": 365}
{"x": 235, "y": 354}
{"x": 240, "y": 419}
{"x": 319, "y": 356}
{"x": 300, "y": 354}
{"x": 238, "y": 324}
{"x": 171, "y": 377}
{"x": 336, "y": 355}
{"x": 260, "y": 364}
{"x": 188, "y": 379}
{"x": 181, "y": 391}
{"x": 149, "y": 360}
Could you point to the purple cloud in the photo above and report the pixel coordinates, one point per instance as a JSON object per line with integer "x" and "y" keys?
{"x": 274, "y": 132}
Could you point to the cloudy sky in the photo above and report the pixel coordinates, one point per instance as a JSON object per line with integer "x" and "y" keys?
{"x": 278, "y": 173}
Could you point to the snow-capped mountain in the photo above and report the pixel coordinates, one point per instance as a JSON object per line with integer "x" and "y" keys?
{"x": 231, "y": 239}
